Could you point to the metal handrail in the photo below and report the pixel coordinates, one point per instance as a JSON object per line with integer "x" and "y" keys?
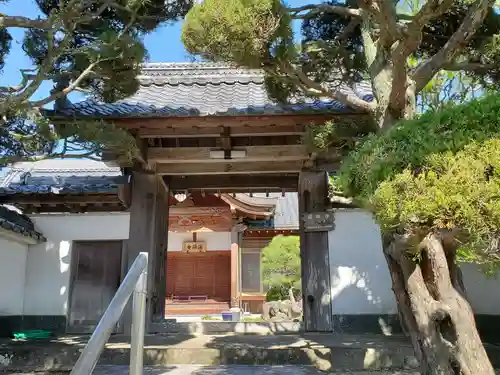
{"x": 134, "y": 282}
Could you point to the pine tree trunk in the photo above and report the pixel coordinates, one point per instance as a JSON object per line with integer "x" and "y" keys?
{"x": 435, "y": 313}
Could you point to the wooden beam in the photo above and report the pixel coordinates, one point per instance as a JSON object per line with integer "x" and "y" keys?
{"x": 195, "y": 168}
{"x": 230, "y": 121}
{"x": 166, "y": 155}
{"x": 236, "y": 131}
{"x": 235, "y": 183}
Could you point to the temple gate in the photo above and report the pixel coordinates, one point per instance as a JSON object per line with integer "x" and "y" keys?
{"x": 211, "y": 129}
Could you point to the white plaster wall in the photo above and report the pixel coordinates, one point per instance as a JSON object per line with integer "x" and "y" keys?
{"x": 359, "y": 277}
{"x": 12, "y": 275}
{"x": 48, "y": 264}
{"x": 214, "y": 240}
{"x": 483, "y": 292}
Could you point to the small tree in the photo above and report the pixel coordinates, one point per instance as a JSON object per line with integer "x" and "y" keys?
{"x": 433, "y": 184}
{"x": 94, "y": 46}
{"x": 281, "y": 266}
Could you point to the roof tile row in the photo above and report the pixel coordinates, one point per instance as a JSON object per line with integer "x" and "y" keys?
{"x": 203, "y": 89}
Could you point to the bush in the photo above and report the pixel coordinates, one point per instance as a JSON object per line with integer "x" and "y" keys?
{"x": 440, "y": 171}
{"x": 281, "y": 292}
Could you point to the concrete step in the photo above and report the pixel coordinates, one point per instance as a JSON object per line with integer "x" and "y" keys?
{"x": 326, "y": 352}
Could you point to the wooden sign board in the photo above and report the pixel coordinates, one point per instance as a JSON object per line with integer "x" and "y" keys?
{"x": 194, "y": 247}
{"x": 318, "y": 221}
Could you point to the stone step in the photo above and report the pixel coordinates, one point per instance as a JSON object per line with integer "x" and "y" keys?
{"x": 230, "y": 370}
{"x": 170, "y": 326}
{"x": 326, "y": 352}
{"x": 234, "y": 370}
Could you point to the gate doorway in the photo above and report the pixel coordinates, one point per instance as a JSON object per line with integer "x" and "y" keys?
{"x": 96, "y": 273}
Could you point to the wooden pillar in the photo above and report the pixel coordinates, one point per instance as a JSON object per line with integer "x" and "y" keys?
{"x": 315, "y": 265}
{"x": 159, "y": 258}
{"x": 235, "y": 249}
{"x": 141, "y": 222}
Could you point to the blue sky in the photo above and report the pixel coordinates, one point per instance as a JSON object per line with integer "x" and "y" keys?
{"x": 164, "y": 45}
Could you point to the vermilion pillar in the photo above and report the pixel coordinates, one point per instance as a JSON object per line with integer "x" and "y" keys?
{"x": 235, "y": 254}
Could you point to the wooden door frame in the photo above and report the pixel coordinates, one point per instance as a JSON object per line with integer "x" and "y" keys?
{"x": 72, "y": 270}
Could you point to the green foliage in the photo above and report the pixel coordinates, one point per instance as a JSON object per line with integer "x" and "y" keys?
{"x": 246, "y": 32}
{"x": 281, "y": 263}
{"x": 440, "y": 171}
{"x": 94, "y": 46}
{"x": 5, "y": 43}
{"x": 95, "y": 136}
{"x": 28, "y": 136}
{"x": 341, "y": 134}
{"x": 25, "y": 137}
{"x": 492, "y": 55}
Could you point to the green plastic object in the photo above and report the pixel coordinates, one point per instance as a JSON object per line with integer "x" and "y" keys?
{"x": 35, "y": 334}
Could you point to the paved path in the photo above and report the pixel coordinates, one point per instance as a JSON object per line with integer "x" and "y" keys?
{"x": 234, "y": 370}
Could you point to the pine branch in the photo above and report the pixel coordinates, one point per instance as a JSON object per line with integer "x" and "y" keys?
{"x": 471, "y": 23}
{"x": 317, "y": 89}
{"x": 24, "y": 22}
{"x": 27, "y": 77}
{"x": 384, "y": 12}
{"x": 59, "y": 155}
{"x": 430, "y": 10}
{"x": 73, "y": 86}
{"x": 469, "y": 66}
{"x": 315, "y": 9}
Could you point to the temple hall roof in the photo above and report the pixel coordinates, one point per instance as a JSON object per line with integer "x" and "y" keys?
{"x": 286, "y": 211}
{"x": 61, "y": 176}
{"x": 16, "y": 222}
{"x": 202, "y": 89}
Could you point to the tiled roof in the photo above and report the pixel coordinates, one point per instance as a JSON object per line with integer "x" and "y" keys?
{"x": 286, "y": 214}
{"x": 18, "y": 223}
{"x": 202, "y": 89}
{"x": 62, "y": 176}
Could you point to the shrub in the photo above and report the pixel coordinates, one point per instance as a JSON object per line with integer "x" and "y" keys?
{"x": 439, "y": 171}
